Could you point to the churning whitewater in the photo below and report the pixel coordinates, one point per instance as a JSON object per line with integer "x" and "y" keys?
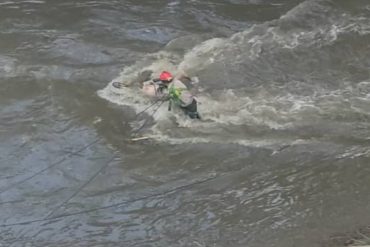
{"x": 255, "y": 79}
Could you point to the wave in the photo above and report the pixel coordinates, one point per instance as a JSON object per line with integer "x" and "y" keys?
{"x": 266, "y": 81}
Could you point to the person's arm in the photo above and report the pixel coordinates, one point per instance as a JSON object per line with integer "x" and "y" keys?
{"x": 192, "y": 82}
{"x": 183, "y": 76}
{"x": 194, "y": 85}
{"x": 162, "y": 92}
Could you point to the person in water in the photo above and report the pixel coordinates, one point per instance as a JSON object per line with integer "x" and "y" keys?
{"x": 166, "y": 87}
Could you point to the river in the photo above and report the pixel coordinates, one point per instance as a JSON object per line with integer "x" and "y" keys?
{"x": 278, "y": 159}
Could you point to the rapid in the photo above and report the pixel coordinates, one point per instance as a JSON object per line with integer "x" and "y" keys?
{"x": 279, "y": 158}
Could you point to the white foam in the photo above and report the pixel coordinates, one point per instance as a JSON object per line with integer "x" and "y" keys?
{"x": 202, "y": 55}
{"x": 277, "y": 110}
{"x": 24, "y": 1}
{"x": 224, "y": 140}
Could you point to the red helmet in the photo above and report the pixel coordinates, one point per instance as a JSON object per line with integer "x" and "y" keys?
{"x": 165, "y": 76}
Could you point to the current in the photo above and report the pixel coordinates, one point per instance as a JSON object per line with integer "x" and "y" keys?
{"x": 279, "y": 158}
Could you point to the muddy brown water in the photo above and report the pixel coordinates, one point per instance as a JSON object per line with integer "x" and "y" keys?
{"x": 281, "y": 157}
